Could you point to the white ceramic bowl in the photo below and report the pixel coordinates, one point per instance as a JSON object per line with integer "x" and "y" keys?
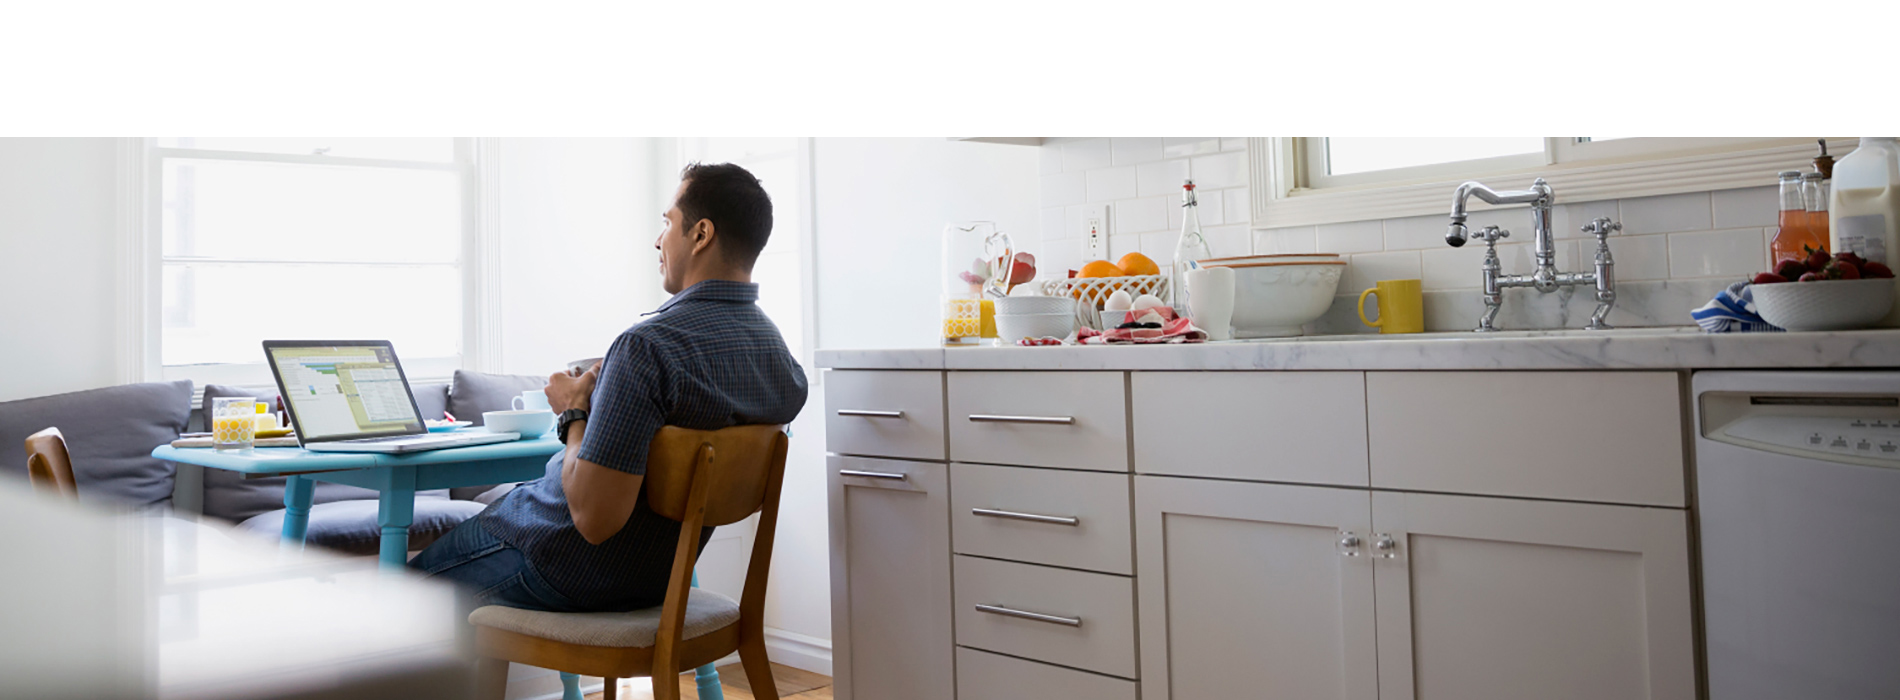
{"x": 1273, "y": 299}
{"x": 1018, "y": 306}
{"x": 1277, "y": 257}
{"x": 531, "y": 424}
{"x": 1013, "y": 327}
{"x": 1827, "y": 305}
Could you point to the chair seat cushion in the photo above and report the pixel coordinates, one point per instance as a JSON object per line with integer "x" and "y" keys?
{"x": 350, "y": 526}
{"x": 706, "y": 612}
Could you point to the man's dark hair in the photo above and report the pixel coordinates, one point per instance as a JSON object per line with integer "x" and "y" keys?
{"x": 732, "y": 198}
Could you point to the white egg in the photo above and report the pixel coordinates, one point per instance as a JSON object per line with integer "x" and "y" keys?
{"x": 1150, "y": 317}
{"x": 1026, "y": 290}
{"x": 1119, "y": 301}
{"x": 1145, "y": 302}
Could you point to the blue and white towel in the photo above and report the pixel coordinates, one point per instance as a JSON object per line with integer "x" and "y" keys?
{"x": 1732, "y": 311}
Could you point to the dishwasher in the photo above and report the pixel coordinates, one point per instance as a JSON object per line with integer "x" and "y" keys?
{"x": 1798, "y": 495}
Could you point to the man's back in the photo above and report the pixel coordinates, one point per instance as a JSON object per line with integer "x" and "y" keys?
{"x": 708, "y": 359}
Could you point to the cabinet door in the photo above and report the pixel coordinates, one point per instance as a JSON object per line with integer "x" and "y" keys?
{"x": 1247, "y": 592}
{"x": 890, "y": 579}
{"x": 1494, "y": 598}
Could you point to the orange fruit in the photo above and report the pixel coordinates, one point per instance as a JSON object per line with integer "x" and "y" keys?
{"x": 1138, "y": 264}
{"x": 1102, "y": 268}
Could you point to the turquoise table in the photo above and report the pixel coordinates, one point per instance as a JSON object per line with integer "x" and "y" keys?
{"x": 397, "y": 478}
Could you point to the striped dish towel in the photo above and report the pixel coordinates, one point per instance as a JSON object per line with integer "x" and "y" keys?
{"x": 1732, "y": 311}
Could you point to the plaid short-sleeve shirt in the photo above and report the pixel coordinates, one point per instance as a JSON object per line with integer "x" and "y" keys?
{"x": 707, "y": 359}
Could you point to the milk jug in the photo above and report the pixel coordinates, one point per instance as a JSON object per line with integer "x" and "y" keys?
{"x": 1864, "y": 208}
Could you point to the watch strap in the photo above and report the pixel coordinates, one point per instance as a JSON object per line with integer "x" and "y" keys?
{"x": 569, "y": 417}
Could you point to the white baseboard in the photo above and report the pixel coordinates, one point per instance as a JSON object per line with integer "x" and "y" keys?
{"x": 798, "y": 651}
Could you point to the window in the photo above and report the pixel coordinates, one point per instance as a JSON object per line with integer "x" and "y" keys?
{"x": 309, "y": 238}
{"x": 1319, "y": 180}
{"x": 783, "y": 166}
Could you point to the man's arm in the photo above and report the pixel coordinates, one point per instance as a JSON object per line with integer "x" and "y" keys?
{"x": 599, "y": 499}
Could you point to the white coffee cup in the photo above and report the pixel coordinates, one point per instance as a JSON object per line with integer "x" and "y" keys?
{"x": 1211, "y": 301}
{"x": 530, "y": 424}
{"x": 532, "y": 400}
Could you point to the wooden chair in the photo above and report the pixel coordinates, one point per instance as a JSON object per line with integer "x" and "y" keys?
{"x": 700, "y": 478}
{"x": 48, "y": 467}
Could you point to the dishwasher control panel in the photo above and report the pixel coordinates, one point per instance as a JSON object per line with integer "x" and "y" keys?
{"x": 1878, "y": 438}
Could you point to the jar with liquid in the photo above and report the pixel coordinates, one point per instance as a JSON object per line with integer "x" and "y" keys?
{"x": 1795, "y": 236}
{"x": 1864, "y": 206}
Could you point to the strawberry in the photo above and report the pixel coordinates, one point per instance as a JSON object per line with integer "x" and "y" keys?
{"x": 1768, "y": 278}
{"x": 1846, "y": 270}
{"x": 1791, "y": 269}
{"x": 1817, "y": 259}
{"x": 1812, "y": 277}
{"x": 1852, "y": 258}
{"x": 1874, "y": 270}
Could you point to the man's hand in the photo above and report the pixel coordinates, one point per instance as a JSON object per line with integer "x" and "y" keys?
{"x": 567, "y": 391}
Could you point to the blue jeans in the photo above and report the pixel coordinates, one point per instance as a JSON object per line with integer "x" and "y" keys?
{"x": 490, "y": 570}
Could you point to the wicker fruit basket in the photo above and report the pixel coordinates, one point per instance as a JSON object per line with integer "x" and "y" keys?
{"x": 1094, "y": 291}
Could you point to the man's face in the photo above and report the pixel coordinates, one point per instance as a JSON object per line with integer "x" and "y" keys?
{"x": 675, "y": 246}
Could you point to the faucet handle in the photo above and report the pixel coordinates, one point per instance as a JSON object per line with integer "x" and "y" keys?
{"x": 1491, "y": 235}
{"x": 1601, "y": 227}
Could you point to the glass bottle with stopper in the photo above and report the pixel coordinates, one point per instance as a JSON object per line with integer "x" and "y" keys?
{"x": 1190, "y": 248}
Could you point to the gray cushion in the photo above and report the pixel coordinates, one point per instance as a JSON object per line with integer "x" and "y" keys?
{"x": 472, "y": 393}
{"x": 110, "y": 434}
{"x": 706, "y": 612}
{"x": 228, "y": 495}
{"x": 350, "y": 526}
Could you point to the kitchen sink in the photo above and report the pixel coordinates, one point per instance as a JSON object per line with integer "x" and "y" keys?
{"x": 1494, "y": 335}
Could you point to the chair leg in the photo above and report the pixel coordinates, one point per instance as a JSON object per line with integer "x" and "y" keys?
{"x": 570, "y": 686}
{"x": 666, "y": 681}
{"x": 609, "y": 689}
{"x": 758, "y": 668}
{"x": 491, "y": 679}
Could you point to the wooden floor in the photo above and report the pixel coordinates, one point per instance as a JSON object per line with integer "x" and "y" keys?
{"x": 792, "y": 683}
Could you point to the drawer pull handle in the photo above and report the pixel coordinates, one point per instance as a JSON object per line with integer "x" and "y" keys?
{"x": 1070, "y": 521}
{"x": 1025, "y": 614}
{"x": 874, "y": 475}
{"x": 1040, "y": 420}
{"x": 870, "y": 414}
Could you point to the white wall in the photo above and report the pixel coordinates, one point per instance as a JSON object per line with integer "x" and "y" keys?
{"x": 577, "y": 261}
{"x": 58, "y": 262}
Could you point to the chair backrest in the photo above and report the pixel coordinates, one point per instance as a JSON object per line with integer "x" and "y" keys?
{"x": 48, "y": 466}
{"x": 707, "y": 478}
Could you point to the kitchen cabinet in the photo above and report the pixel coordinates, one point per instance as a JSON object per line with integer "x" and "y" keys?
{"x": 1247, "y": 591}
{"x": 1504, "y": 598}
{"x": 1301, "y": 427}
{"x": 1312, "y": 592}
{"x": 890, "y": 579}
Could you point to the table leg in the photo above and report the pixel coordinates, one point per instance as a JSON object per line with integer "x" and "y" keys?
{"x": 397, "y": 510}
{"x": 706, "y": 676}
{"x": 570, "y": 686}
{"x": 298, "y": 490}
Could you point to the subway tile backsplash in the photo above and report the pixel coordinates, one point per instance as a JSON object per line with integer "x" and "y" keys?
{"x": 1673, "y": 253}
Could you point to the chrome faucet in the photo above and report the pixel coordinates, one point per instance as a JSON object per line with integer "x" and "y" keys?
{"x": 1545, "y": 279}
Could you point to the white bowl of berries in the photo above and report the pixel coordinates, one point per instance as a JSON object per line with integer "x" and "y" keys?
{"x": 1824, "y": 293}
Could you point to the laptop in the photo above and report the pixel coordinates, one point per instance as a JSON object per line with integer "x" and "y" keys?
{"x": 352, "y": 396}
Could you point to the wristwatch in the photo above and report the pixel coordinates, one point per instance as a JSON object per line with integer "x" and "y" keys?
{"x": 567, "y": 418}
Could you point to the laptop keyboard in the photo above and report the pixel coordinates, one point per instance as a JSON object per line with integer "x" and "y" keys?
{"x": 386, "y": 439}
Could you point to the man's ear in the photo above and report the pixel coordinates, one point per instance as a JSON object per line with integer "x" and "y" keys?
{"x": 703, "y": 235}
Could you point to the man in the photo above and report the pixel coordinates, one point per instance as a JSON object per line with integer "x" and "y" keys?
{"x": 581, "y": 538}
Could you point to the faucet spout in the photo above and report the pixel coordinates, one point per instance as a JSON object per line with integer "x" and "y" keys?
{"x": 1538, "y": 196}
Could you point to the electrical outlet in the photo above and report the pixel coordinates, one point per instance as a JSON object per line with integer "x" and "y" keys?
{"x": 1095, "y": 233}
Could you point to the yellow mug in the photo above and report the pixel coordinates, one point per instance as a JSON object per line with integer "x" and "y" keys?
{"x": 1401, "y": 306}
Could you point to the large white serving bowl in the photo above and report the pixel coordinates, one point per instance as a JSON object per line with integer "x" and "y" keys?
{"x": 1273, "y": 299}
{"x": 1827, "y": 305}
{"x": 1018, "y": 306}
{"x": 1276, "y": 257}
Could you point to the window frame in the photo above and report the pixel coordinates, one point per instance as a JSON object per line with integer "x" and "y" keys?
{"x": 142, "y": 259}
{"x": 1579, "y": 172}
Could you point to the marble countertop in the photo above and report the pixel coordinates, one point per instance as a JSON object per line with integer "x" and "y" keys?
{"x": 1626, "y": 348}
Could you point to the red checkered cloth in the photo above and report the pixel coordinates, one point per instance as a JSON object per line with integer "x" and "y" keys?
{"x": 1173, "y": 330}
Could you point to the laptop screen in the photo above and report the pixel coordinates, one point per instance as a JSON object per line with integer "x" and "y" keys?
{"x": 343, "y": 390}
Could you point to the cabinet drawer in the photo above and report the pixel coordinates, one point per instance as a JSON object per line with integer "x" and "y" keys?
{"x": 884, "y": 413}
{"x": 1302, "y": 427}
{"x": 1077, "y": 420}
{"x": 1073, "y": 618}
{"x": 1613, "y": 437}
{"x": 985, "y": 676}
{"x": 1045, "y": 516}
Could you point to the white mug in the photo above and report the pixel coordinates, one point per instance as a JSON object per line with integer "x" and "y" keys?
{"x": 1211, "y": 301}
{"x": 532, "y": 400}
